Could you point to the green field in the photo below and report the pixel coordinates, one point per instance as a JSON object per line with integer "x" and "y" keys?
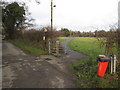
{"x": 61, "y": 39}
{"x": 30, "y": 49}
{"x": 87, "y": 67}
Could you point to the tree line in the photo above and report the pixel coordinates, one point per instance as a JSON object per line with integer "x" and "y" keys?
{"x": 14, "y": 20}
{"x": 97, "y": 33}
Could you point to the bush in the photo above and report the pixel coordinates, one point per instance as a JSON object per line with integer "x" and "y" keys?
{"x": 35, "y": 37}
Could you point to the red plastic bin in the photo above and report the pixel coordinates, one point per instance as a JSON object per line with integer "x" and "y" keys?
{"x": 102, "y": 68}
{"x": 102, "y": 64}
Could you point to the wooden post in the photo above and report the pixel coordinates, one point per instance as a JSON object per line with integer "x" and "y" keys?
{"x": 115, "y": 63}
{"x": 49, "y": 47}
{"x": 57, "y": 48}
{"x": 111, "y": 64}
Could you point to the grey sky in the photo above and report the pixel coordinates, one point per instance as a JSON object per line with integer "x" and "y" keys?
{"x": 78, "y": 15}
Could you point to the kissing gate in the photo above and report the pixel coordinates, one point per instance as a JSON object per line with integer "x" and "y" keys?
{"x": 55, "y": 48}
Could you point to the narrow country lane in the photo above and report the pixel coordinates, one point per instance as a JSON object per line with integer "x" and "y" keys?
{"x": 24, "y": 71}
{"x": 45, "y": 71}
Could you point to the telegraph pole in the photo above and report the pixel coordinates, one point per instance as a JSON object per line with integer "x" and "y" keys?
{"x": 51, "y": 15}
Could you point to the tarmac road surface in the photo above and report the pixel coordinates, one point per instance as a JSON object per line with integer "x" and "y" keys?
{"x": 71, "y": 55}
{"x": 24, "y": 71}
{"x": 45, "y": 71}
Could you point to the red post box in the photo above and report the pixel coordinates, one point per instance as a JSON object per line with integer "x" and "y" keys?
{"x": 102, "y": 64}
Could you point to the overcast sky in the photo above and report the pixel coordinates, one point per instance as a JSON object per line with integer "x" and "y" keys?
{"x": 78, "y": 15}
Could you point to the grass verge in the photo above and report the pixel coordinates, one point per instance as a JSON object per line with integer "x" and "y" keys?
{"x": 87, "y": 67}
{"x": 30, "y": 49}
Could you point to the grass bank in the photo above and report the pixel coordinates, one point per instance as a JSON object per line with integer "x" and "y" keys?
{"x": 87, "y": 67}
{"x": 27, "y": 48}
